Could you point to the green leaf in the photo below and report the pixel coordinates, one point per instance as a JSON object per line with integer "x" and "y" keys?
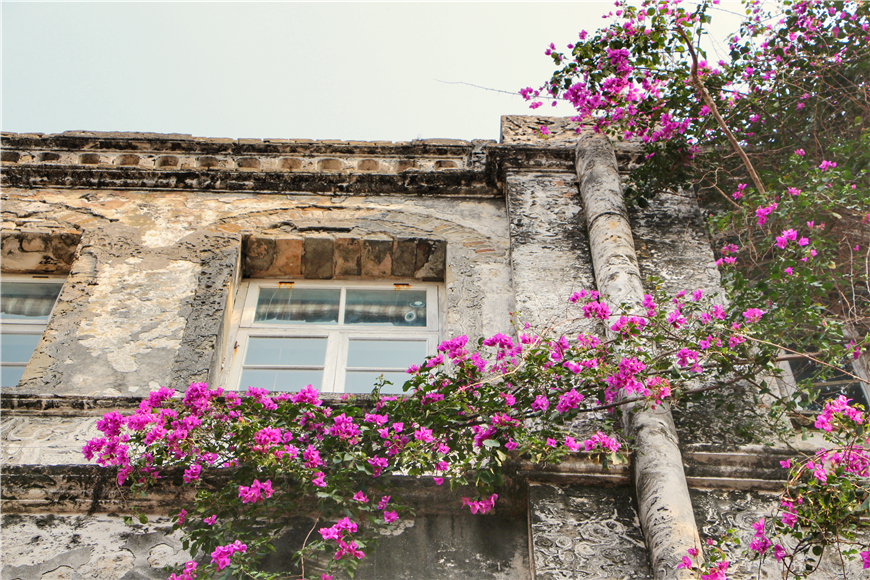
{"x": 491, "y": 443}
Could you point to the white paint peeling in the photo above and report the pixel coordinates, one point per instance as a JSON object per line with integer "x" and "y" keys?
{"x": 136, "y": 311}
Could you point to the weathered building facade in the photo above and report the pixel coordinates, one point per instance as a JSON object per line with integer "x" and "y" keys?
{"x": 156, "y": 242}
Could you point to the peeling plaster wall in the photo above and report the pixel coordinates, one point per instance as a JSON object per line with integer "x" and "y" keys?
{"x": 156, "y": 232}
{"x": 673, "y": 246}
{"x": 585, "y": 532}
{"x": 146, "y": 304}
{"x": 549, "y": 247}
{"x": 147, "y": 261}
{"x": 99, "y": 547}
{"x": 719, "y": 510}
{"x": 49, "y": 547}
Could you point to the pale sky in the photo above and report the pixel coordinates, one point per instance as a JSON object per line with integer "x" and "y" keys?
{"x": 352, "y": 71}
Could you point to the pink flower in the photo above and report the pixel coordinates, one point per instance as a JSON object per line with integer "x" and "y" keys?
{"x": 794, "y": 191}
{"x": 800, "y": 152}
{"x": 182, "y": 516}
{"x": 786, "y": 464}
{"x": 424, "y": 435}
{"x": 762, "y": 213}
{"x": 383, "y": 502}
{"x": 754, "y": 314}
{"x": 390, "y": 517}
{"x": 210, "y": 520}
{"x": 256, "y": 491}
{"x": 541, "y": 403}
{"x": 803, "y": 242}
{"x": 481, "y": 506}
{"x": 779, "y": 552}
{"x": 360, "y": 497}
{"x": 825, "y": 165}
{"x": 222, "y": 554}
{"x": 545, "y": 130}
{"x": 759, "y": 528}
{"x": 191, "y": 474}
{"x": 686, "y": 563}
{"x": 188, "y": 574}
{"x": 866, "y": 556}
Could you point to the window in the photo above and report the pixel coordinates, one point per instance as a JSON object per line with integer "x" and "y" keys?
{"x": 338, "y": 337}
{"x": 797, "y": 369}
{"x": 26, "y": 303}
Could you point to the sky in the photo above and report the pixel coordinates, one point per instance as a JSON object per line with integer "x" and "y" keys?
{"x": 350, "y": 71}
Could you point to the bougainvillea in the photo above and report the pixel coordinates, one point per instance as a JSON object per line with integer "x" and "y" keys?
{"x": 468, "y": 412}
{"x": 774, "y": 139}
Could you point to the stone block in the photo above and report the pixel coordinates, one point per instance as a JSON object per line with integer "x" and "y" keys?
{"x": 259, "y": 256}
{"x": 377, "y": 256}
{"x": 288, "y": 257}
{"x": 348, "y": 255}
{"x": 318, "y": 257}
{"x": 431, "y": 260}
{"x": 405, "y": 258}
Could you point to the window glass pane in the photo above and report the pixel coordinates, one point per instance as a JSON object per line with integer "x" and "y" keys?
{"x": 386, "y": 307}
{"x": 280, "y": 380}
{"x": 830, "y": 386}
{"x": 9, "y": 376}
{"x": 364, "y": 382}
{"x": 18, "y": 347}
{"x": 24, "y": 301}
{"x": 385, "y": 353}
{"x": 285, "y": 351}
{"x": 297, "y": 306}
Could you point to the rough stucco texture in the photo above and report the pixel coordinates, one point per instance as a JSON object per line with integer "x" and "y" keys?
{"x": 672, "y": 245}
{"x": 48, "y": 547}
{"x": 718, "y": 510}
{"x": 147, "y": 261}
{"x": 549, "y": 247}
{"x": 583, "y": 532}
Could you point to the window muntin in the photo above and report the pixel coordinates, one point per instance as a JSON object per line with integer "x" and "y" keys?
{"x": 26, "y": 303}
{"x": 339, "y": 337}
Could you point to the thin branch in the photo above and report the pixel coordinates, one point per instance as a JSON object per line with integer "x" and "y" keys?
{"x": 806, "y": 356}
{"x": 711, "y": 104}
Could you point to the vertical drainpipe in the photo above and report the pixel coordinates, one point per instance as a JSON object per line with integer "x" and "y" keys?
{"x": 662, "y": 493}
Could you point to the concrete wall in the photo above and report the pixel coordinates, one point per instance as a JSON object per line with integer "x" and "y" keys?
{"x": 156, "y": 231}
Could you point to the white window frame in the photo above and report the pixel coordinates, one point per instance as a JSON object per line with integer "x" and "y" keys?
{"x": 338, "y": 335}
{"x": 24, "y": 326}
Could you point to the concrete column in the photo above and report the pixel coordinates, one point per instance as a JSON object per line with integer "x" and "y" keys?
{"x": 576, "y": 530}
{"x": 665, "y": 508}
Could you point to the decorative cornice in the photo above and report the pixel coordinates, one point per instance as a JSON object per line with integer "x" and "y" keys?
{"x": 149, "y": 161}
